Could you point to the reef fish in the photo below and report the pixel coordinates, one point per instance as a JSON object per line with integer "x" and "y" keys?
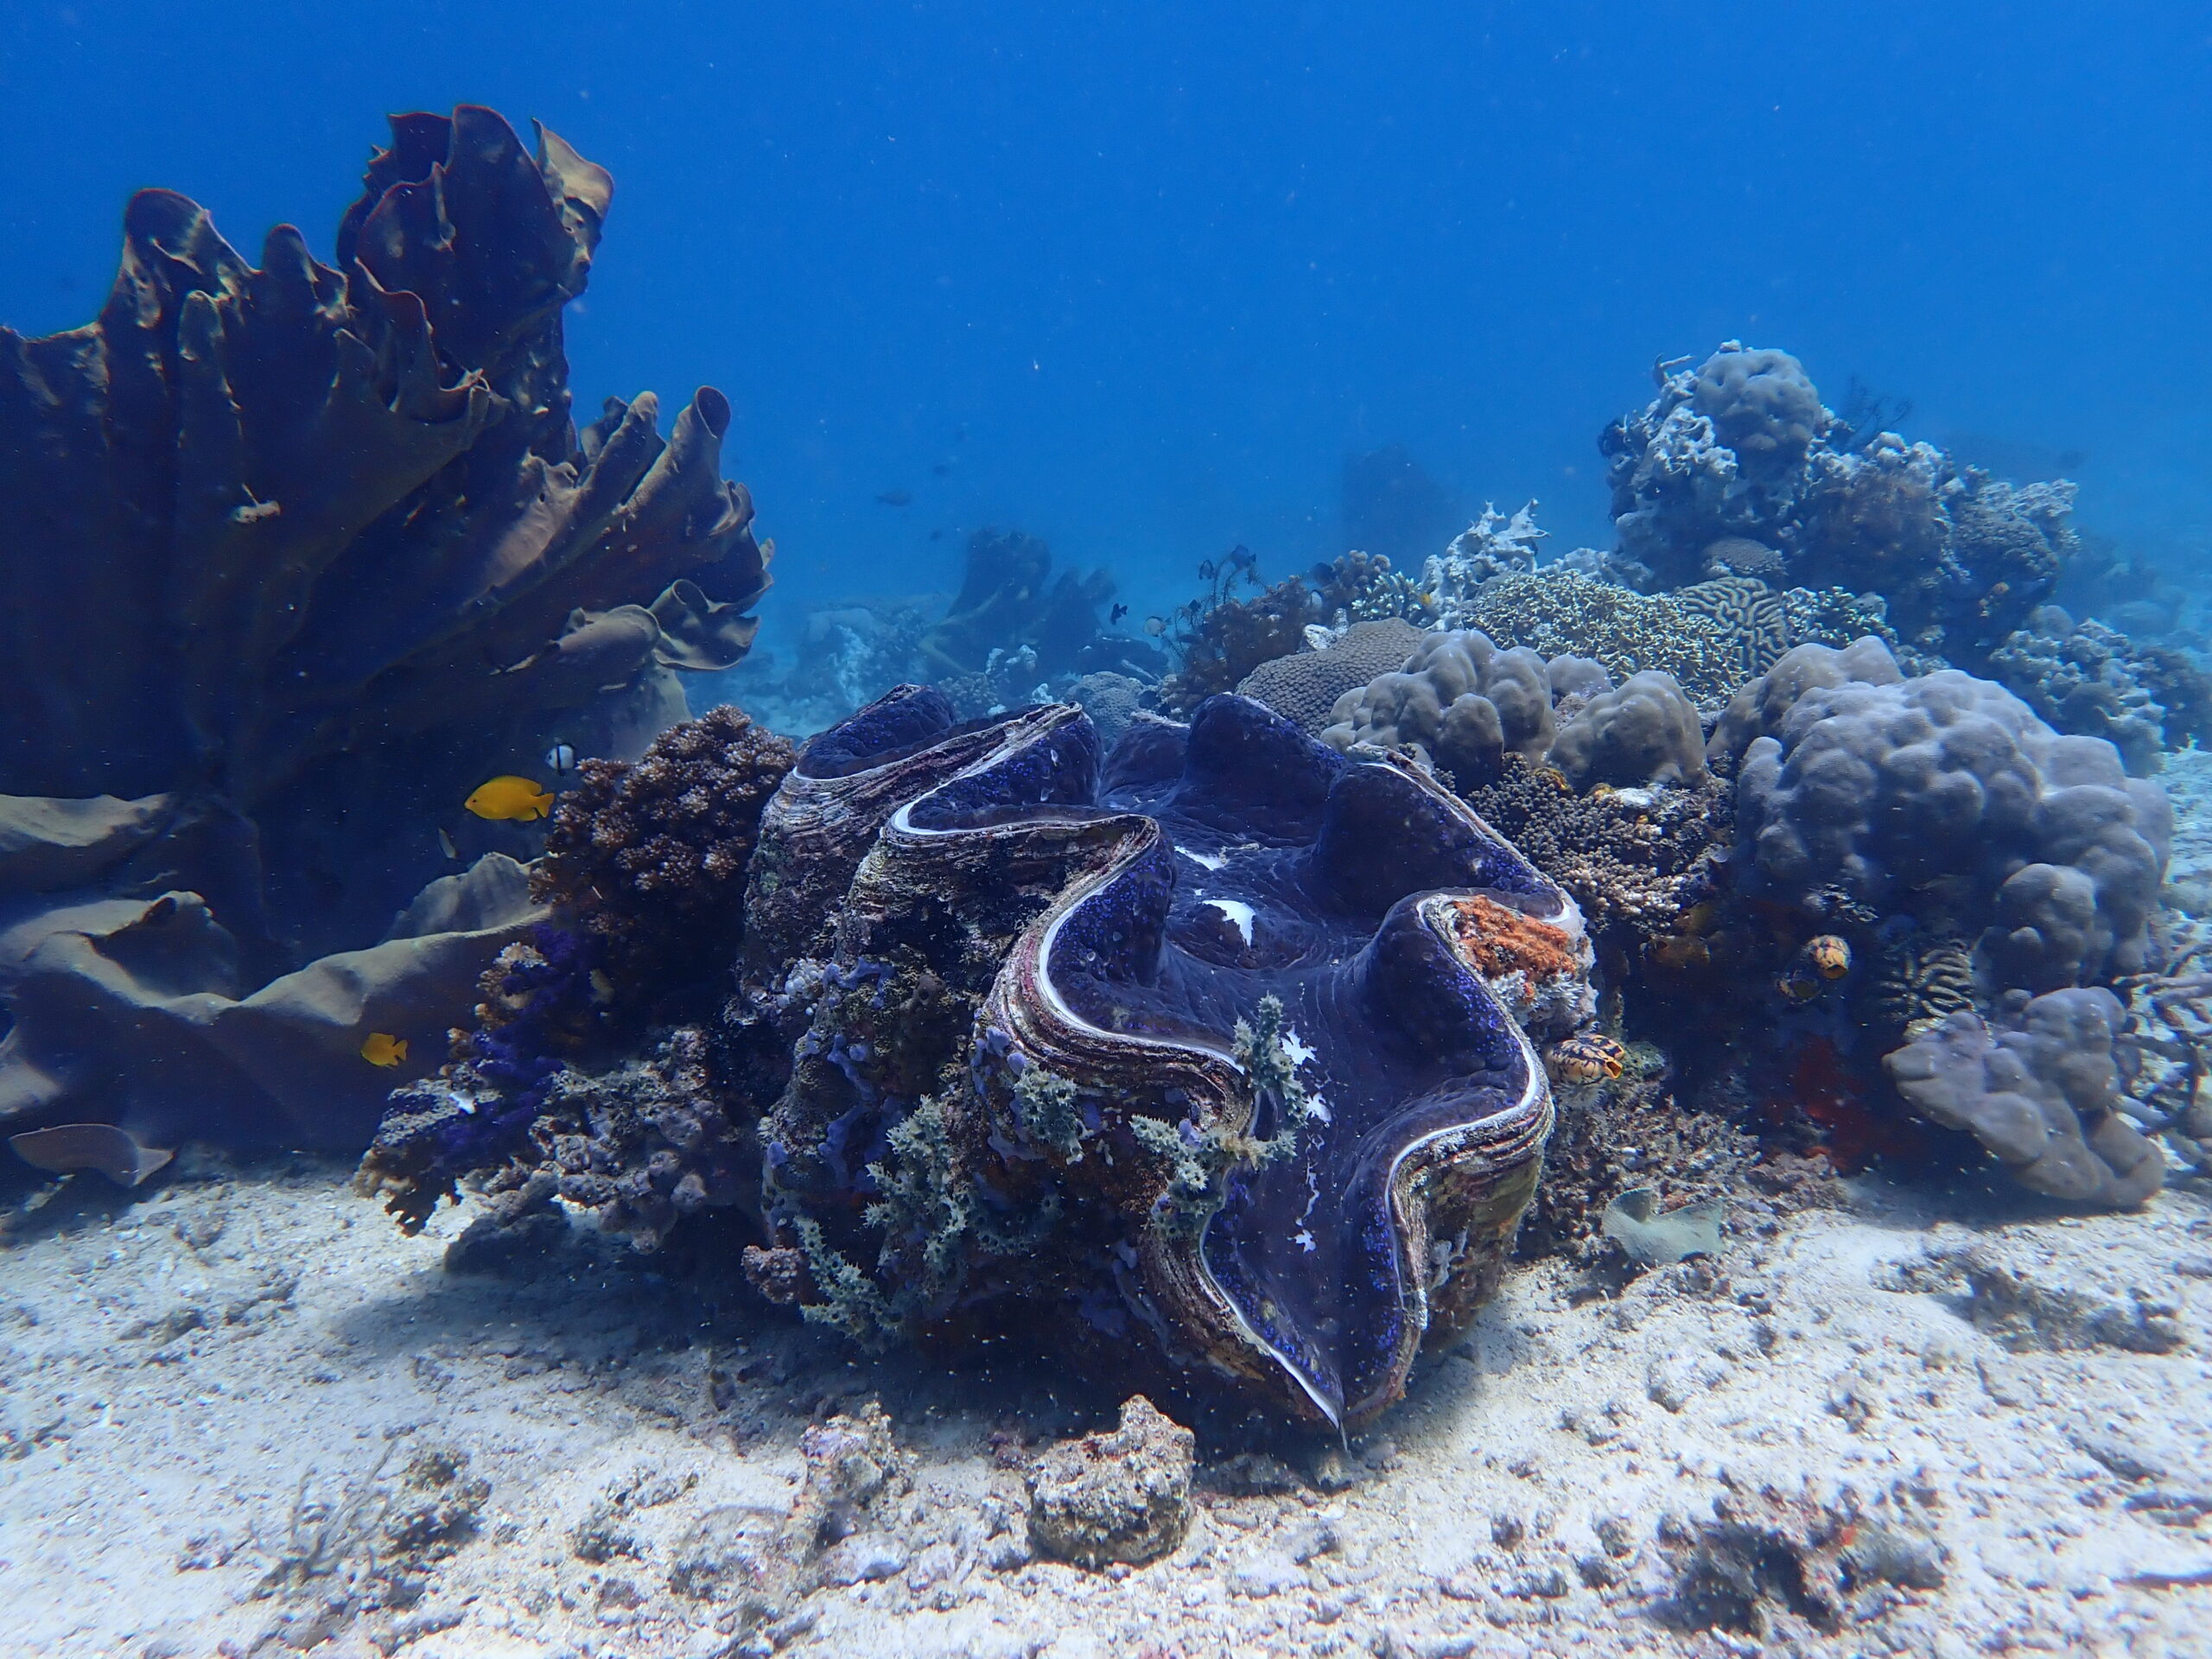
{"x": 382, "y": 1048}
{"x": 1830, "y": 956}
{"x": 507, "y": 796}
{"x": 114, "y": 1151}
{"x": 1580, "y": 1061}
{"x": 896, "y": 498}
{"x": 561, "y": 757}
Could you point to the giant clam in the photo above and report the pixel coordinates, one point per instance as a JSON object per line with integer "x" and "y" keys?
{"x": 1218, "y": 1053}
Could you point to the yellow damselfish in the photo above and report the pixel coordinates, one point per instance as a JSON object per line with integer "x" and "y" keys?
{"x": 382, "y": 1048}
{"x": 509, "y": 797}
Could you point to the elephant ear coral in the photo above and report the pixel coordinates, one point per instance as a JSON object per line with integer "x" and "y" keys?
{"x": 299, "y": 554}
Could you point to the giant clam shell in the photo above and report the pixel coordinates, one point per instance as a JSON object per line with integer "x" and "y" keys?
{"x": 1129, "y": 922}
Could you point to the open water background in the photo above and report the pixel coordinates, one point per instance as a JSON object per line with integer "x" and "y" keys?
{"x": 1138, "y": 276}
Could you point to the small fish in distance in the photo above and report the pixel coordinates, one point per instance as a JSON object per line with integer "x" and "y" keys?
{"x": 509, "y": 797}
{"x": 896, "y": 498}
{"x": 382, "y": 1048}
{"x": 1116, "y": 613}
{"x": 446, "y": 846}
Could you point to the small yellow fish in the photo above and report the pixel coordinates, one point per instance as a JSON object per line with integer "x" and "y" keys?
{"x": 509, "y": 797}
{"x": 1830, "y": 955}
{"x": 382, "y": 1048}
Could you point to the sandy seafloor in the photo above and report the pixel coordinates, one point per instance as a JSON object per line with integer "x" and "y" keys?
{"x": 185, "y": 1372}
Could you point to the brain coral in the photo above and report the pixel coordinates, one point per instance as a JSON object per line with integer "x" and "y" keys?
{"x": 1305, "y": 688}
{"x": 1944, "y": 796}
{"x": 1459, "y": 701}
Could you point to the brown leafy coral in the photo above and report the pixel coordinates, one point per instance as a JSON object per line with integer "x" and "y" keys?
{"x": 650, "y": 858}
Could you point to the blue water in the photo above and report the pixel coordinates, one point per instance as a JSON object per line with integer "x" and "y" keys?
{"x": 1138, "y": 276}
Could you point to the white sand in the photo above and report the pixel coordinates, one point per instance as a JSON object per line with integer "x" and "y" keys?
{"x": 174, "y": 1366}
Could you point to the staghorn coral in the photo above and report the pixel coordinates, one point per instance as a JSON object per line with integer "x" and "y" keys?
{"x": 650, "y": 859}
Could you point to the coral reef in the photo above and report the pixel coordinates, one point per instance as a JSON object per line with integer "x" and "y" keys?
{"x": 1005, "y": 604}
{"x": 2042, "y": 1095}
{"x": 2093, "y": 681}
{"x": 1304, "y": 687}
{"x": 1030, "y": 1029}
{"x": 1637, "y": 862}
{"x": 1357, "y": 587}
{"x": 1556, "y": 612}
{"x": 650, "y": 858}
{"x": 1944, "y": 797}
{"x": 299, "y": 556}
{"x": 1647, "y": 732}
{"x": 1492, "y": 546}
{"x": 1458, "y": 702}
{"x": 1736, "y": 470}
{"x": 1224, "y": 639}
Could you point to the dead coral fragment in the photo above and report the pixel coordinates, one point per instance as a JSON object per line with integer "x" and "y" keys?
{"x": 1123, "y": 1495}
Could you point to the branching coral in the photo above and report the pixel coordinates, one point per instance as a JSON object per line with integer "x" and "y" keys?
{"x": 1556, "y": 612}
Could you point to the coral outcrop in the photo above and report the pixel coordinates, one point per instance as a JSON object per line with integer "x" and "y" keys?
{"x": 1005, "y": 604}
{"x": 649, "y": 859}
{"x": 2092, "y": 680}
{"x": 1738, "y": 455}
{"x": 1557, "y": 611}
{"x": 2041, "y": 1094}
{"x": 1647, "y": 732}
{"x": 308, "y": 551}
{"x": 1943, "y": 796}
{"x": 1304, "y": 687}
{"x": 1458, "y": 702}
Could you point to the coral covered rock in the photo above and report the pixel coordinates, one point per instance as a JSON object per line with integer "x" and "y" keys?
{"x": 1305, "y": 687}
{"x": 1123, "y": 1495}
{"x": 650, "y": 859}
{"x": 1647, "y": 732}
{"x": 2093, "y": 681}
{"x": 1558, "y": 612}
{"x": 2043, "y": 1096}
{"x": 1943, "y": 793}
{"x": 1738, "y": 453}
